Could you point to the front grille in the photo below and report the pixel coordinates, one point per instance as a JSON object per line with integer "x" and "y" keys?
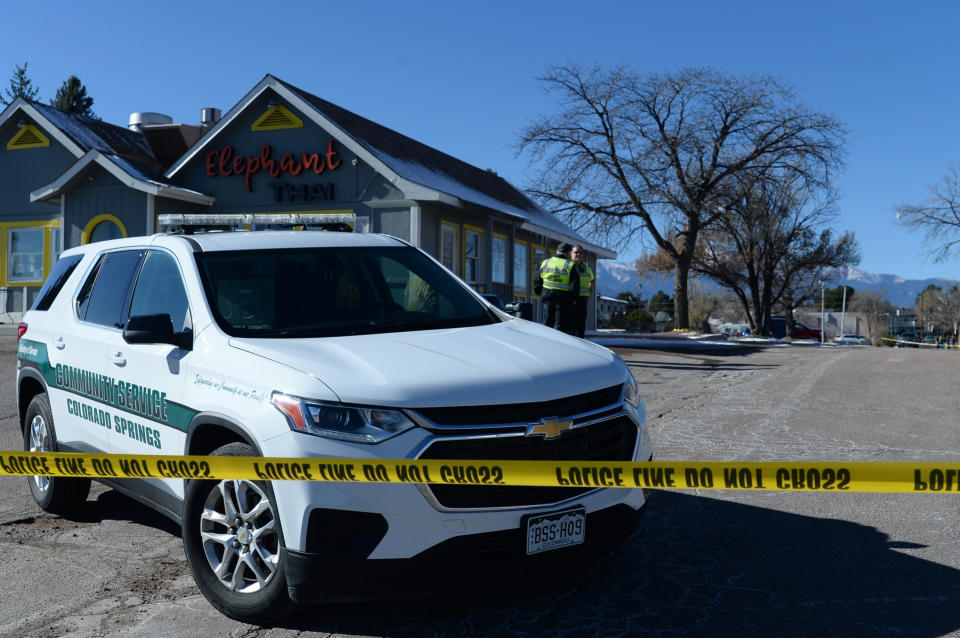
{"x": 611, "y": 440}
{"x": 523, "y": 412}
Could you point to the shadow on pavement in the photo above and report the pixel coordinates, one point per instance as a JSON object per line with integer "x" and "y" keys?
{"x": 706, "y": 364}
{"x": 111, "y": 505}
{"x": 695, "y": 566}
{"x": 723, "y": 348}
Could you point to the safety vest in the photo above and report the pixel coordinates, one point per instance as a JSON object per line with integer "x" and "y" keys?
{"x": 555, "y": 273}
{"x": 586, "y": 277}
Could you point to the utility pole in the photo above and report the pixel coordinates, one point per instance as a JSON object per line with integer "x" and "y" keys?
{"x": 823, "y": 324}
{"x": 843, "y": 312}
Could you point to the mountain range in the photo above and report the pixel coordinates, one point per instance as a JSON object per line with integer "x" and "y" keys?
{"x": 614, "y": 277}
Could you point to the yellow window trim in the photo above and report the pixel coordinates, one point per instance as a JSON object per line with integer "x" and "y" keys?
{"x": 463, "y": 261}
{"x": 93, "y": 223}
{"x": 46, "y": 225}
{"x": 28, "y": 137}
{"x": 277, "y": 118}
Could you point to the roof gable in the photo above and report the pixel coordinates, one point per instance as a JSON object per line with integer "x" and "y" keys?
{"x": 80, "y": 134}
{"x": 419, "y": 171}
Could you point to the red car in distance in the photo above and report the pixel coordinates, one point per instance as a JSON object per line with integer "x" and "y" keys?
{"x": 778, "y": 328}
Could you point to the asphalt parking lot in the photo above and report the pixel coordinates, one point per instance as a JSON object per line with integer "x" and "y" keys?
{"x": 715, "y": 563}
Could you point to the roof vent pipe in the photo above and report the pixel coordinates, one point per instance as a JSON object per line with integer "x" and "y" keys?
{"x": 209, "y": 116}
{"x": 139, "y": 120}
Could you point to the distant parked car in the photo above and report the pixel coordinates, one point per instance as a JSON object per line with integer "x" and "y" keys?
{"x": 778, "y": 328}
{"x": 851, "y": 340}
{"x": 907, "y": 340}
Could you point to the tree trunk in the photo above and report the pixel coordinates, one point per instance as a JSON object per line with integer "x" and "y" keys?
{"x": 681, "y": 300}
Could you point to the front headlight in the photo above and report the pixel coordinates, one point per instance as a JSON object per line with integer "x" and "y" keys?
{"x": 336, "y": 421}
{"x": 630, "y": 392}
{"x": 631, "y": 396}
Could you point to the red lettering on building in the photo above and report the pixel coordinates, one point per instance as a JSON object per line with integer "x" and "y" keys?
{"x": 330, "y": 155}
{"x": 223, "y": 162}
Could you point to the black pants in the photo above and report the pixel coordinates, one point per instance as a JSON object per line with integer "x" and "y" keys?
{"x": 559, "y": 312}
{"x": 580, "y": 316}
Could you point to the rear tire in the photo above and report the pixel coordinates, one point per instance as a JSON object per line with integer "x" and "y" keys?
{"x": 233, "y": 544}
{"x": 54, "y": 494}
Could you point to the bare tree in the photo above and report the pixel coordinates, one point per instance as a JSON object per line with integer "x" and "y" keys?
{"x": 873, "y": 305}
{"x": 771, "y": 250}
{"x": 938, "y": 217}
{"x": 946, "y": 311}
{"x": 650, "y": 154}
{"x": 925, "y": 306}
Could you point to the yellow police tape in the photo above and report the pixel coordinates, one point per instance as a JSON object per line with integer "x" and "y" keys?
{"x": 921, "y": 344}
{"x": 771, "y": 476}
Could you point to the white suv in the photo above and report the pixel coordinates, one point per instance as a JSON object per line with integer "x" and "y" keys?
{"x": 319, "y": 344}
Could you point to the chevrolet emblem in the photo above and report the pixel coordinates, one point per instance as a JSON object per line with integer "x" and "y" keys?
{"x": 549, "y": 428}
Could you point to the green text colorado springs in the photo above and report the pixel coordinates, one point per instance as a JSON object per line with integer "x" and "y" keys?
{"x": 131, "y": 397}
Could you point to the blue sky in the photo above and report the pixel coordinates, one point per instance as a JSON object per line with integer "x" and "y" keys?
{"x": 462, "y": 76}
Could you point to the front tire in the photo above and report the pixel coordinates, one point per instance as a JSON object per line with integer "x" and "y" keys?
{"x": 54, "y": 494}
{"x": 233, "y": 544}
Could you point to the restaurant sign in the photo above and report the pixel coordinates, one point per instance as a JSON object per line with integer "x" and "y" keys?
{"x": 226, "y": 162}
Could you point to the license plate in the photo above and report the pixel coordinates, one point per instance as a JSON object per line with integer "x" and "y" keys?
{"x": 555, "y": 530}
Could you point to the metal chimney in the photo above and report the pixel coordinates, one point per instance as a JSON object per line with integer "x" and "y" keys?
{"x": 139, "y": 120}
{"x": 209, "y": 116}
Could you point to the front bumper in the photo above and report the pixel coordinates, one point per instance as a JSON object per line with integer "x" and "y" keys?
{"x": 488, "y": 557}
{"x": 415, "y": 520}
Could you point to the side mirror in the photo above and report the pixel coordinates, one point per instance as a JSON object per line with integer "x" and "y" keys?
{"x": 156, "y": 329}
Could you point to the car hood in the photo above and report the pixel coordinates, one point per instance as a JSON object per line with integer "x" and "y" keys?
{"x": 511, "y": 362}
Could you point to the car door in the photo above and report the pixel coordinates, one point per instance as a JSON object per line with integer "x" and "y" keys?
{"x": 153, "y": 421}
{"x": 84, "y": 399}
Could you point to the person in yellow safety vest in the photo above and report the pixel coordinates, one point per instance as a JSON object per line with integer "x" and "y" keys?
{"x": 559, "y": 288}
{"x": 587, "y": 282}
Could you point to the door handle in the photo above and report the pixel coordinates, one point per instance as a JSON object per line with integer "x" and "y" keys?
{"x": 60, "y": 344}
{"x": 118, "y": 359}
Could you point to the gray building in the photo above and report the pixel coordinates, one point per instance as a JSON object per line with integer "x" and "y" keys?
{"x": 67, "y": 180}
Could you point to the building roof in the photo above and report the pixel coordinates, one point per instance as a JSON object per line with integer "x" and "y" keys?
{"x": 419, "y": 171}
{"x": 96, "y": 135}
{"x": 128, "y": 172}
{"x": 124, "y": 153}
{"x": 435, "y": 169}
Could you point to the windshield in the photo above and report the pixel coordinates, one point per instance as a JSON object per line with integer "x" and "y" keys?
{"x": 326, "y": 292}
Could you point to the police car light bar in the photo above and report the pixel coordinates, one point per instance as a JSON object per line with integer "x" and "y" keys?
{"x": 186, "y": 220}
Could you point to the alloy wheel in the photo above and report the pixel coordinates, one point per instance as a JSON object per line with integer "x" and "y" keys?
{"x": 40, "y": 442}
{"x": 238, "y": 530}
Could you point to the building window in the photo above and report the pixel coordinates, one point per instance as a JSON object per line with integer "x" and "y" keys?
{"x": 102, "y": 228}
{"x": 25, "y": 255}
{"x": 448, "y": 245}
{"x": 472, "y": 243}
{"x": 521, "y": 274}
{"x": 500, "y": 259}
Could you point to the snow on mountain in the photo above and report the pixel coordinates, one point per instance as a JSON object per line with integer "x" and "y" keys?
{"x": 614, "y": 277}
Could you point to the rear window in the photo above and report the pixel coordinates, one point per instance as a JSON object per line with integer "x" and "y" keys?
{"x": 104, "y": 296}
{"x": 55, "y": 281}
{"x": 323, "y": 292}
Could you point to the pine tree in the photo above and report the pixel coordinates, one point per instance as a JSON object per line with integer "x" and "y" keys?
{"x": 20, "y": 86}
{"x": 72, "y": 98}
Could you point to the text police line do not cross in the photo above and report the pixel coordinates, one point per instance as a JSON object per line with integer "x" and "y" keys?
{"x": 837, "y": 477}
